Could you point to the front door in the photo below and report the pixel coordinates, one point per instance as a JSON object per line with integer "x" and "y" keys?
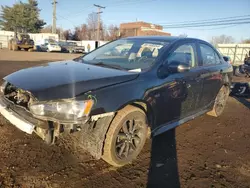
{"x": 179, "y": 93}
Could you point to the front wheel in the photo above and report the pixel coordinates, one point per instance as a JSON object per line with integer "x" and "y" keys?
{"x": 220, "y": 102}
{"x": 126, "y": 136}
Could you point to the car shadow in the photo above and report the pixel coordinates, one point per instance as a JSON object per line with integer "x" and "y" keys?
{"x": 163, "y": 171}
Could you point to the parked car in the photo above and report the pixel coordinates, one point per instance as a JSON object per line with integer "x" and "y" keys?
{"x": 49, "y": 45}
{"x": 111, "y": 100}
{"x": 71, "y": 47}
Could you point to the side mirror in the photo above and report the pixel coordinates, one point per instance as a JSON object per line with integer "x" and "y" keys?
{"x": 226, "y": 58}
{"x": 178, "y": 67}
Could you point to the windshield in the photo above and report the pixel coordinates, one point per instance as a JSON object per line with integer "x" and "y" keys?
{"x": 129, "y": 54}
{"x": 51, "y": 41}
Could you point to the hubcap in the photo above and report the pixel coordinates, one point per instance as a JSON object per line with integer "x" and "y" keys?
{"x": 128, "y": 138}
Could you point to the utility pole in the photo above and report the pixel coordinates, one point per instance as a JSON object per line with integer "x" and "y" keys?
{"x": 99, "y": 20}
{"x": 54, "y": 17}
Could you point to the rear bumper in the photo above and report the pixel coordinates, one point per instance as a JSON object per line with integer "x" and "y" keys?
{"x": 16, "y": 119}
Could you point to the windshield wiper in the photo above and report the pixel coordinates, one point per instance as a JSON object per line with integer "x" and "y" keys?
{"x": 110, "y": 66}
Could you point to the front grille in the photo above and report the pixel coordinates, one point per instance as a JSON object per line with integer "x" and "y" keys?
{"x": 24, "y": 113}
{"x": 14, "y": 100}
{"x": 17, "y": 96}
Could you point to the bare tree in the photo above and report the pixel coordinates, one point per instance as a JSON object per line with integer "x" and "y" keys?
{"x": 222, "y": 39}
{"x": 59, "y": 31}
{"x": 92, "y": 22}
{"x": 112, "y": 33}
{"x": 246, "y": 41}
{"x": 184, "y": 35}
{"x": 67, "y": 34}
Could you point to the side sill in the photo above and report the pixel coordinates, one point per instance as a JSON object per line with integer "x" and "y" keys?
{"x": 165, "y": 127}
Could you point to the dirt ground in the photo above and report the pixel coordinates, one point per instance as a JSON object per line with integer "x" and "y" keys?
{"x": 206, "y": 152}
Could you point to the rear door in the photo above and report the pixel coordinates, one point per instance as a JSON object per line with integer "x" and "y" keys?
{"x": 212, "y": 65}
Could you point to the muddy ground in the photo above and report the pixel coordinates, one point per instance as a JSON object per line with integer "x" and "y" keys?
{"x": 206, "y": 152}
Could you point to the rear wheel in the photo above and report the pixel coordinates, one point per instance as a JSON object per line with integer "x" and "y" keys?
{"x": 126, "y": 136}
{"x": 220, "y": 102}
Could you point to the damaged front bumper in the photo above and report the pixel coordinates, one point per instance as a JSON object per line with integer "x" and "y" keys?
{"x": 91, "y": 132}
{"x": 16, "y": 119}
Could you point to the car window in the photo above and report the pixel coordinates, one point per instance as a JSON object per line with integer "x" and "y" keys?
{"x": 119, "y": 50}
{"x": 209, "y": 55}
{"x": 184, "y": 54}
{"x": 128, "y": 54}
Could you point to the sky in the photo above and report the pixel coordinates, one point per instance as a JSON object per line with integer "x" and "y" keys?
{"x": 71, "y": 13}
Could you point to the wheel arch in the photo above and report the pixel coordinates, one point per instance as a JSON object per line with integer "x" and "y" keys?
{"x": 143, "y": 105}
{"x": 226, "y": 81}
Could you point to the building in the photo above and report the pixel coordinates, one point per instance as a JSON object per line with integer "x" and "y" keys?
{"x": 141, "y": 29}
{"x": 5, "y": 36}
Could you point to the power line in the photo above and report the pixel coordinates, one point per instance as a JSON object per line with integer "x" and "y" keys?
{"x": 214, "y": 28}
{"x": 130, "y": 3}
{"x": 73, "y": 23}
{"x": 206, "y": 25}
{"x": 208, "y": 22}
{"x": 120, "y": 3}
{"x": 78, "y": 13}
{"x": 224, "y": 18}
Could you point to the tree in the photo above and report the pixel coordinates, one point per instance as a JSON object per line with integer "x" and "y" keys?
{"x": 67, "y": 34}
{"x": 92, "y": 25}
{"x": 246, "y": 41}
{"x": 112, "y": 33}
{"x": 22, "y": 17}
{"x": 48, "y": 29}
{"x": 183, "y": 35}
{"x": 82, "y": 33}
{"x": 222, "y": 39}
{"x": 92, "y": 22}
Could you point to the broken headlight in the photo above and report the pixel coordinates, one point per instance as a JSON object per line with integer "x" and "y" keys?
{"x": 63, "y": 110}
{"x": 2, "y": 87}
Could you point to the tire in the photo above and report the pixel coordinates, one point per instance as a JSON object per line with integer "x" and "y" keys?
{"x": 121, "y": 150}
{"x": 26, "y": 49}
{"x": 220, "y": 102}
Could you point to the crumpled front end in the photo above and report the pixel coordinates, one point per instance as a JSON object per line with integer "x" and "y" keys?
{"x": 15, "y": 105}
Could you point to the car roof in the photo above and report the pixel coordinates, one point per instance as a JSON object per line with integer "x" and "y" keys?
{"x": 160, "y": 38}
{"x": 164, "y": 38}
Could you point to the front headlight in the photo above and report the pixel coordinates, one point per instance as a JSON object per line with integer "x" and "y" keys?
{"x": 63, "y": 110}
{"x": 2, "y": 87}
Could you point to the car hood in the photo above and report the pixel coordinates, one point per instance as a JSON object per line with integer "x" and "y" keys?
{"x": 66, "y": 79}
